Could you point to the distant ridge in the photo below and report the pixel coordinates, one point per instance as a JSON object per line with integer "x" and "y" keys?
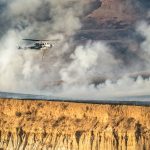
{"x": 130, "y": 100}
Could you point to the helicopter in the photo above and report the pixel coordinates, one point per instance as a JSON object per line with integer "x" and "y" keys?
{"x": 38, "y": 44}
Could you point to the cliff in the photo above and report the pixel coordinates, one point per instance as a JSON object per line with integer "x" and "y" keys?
{"x": 35, "y": 125}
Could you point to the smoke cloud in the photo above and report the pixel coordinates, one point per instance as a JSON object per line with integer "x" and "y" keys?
{"x": 69, "y": 70}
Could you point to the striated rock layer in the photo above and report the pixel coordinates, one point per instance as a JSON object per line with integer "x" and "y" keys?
{"x": 46, "y": 125}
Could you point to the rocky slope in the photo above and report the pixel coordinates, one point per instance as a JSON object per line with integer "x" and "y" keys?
{"x": 36, "y": 125}
{"x": 115, "y": 23}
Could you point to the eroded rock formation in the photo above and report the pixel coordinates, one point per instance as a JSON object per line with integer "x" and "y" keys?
{"x": 35, "y": 125}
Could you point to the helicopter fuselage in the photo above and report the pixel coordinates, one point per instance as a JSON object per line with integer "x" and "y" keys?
{"x": 38, "y": 46}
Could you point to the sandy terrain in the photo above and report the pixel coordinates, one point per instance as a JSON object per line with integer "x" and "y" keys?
{"x": 42, "y": 125}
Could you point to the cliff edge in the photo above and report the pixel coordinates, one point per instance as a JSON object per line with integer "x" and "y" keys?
{"x": 46, "y": 125}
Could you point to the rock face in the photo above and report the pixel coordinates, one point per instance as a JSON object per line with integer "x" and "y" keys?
{"x": 45, "y": 125}
{"x": 113, "y": 21}
{"x": 116, "y": 9}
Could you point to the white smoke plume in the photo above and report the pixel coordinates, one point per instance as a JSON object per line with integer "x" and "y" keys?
{"x": 89, "y": 61}
{"x": 97, "y": 58}
{"x": 144, "y": 29}
{"x": 84, "y": 71}
{"x": 25, "y": 70}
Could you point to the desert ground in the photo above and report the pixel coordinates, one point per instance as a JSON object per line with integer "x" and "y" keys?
{"x": 47, "y": 125}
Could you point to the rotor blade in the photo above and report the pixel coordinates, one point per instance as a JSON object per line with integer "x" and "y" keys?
{"x": 30, "y": 40}
{"x": 39, "y": 40}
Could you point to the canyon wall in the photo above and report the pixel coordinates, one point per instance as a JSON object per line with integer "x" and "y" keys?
{"x": 47, "y": 125}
